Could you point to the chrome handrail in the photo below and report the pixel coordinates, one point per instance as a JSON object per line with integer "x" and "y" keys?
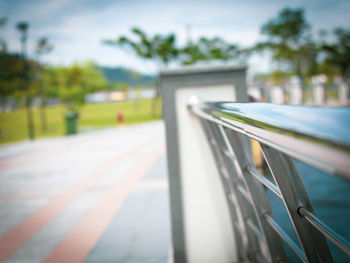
{"x": 319, "y": 136}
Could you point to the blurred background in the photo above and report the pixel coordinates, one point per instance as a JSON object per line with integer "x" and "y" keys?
{"x": 91, "y": 68}
{"x": 97, "y": 62}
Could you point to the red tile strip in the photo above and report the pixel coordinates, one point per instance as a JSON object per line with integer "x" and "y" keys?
{"x": 33, "y": 156}
{"x": 21, "y": 233}
{"x": 77, "y": 244}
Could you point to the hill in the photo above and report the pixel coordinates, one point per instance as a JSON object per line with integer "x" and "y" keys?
{"x": 122, "y": 75}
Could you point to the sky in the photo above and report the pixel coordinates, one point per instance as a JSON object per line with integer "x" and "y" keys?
{"x": 77, "y": 27}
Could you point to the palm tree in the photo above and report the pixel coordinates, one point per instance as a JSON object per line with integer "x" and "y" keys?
{"x": 42, "y": 47}
{"x": 23, "y": 29}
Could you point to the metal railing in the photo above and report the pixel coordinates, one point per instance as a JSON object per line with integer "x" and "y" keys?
{"x": 317, "y": 136}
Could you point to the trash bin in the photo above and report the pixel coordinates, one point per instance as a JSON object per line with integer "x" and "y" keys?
{"x": 71, "y": 122}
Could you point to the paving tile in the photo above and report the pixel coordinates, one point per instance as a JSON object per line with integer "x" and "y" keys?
{"x": 140, "y": 232}
{"x": 32, "y": 173}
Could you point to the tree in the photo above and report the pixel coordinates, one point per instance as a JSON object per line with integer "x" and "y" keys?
{"x": 51, "y": 79}
{"x": 12, "y": 81}
{"x": 11, "y": 76}
{"x": 23, "y": 28}
{"x": 289, "y": 40}
{"x": 160, "y": 49}
{"x": 42, "y": 47}
{"x": 209, "y": 49}
{"x": 338, "y": 52}
{"x": 76, "y": 81}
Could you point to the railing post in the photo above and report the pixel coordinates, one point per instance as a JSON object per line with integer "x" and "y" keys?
{"x": 201, "y": 222}
{"x": 295, "y": 197}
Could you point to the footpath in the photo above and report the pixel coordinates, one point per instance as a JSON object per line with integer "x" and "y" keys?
{"x": 96, "y": 197}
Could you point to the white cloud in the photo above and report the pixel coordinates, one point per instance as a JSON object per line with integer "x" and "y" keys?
{"x": 77, "y": 28}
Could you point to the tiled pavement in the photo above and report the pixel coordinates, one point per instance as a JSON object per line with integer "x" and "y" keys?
{"x": 98, "y": 197}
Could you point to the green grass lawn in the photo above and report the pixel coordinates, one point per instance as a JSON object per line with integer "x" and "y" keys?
{"x": 13, "y": 125}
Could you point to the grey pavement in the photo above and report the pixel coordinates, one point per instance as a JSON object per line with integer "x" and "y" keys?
{"x": 48, "y": 188}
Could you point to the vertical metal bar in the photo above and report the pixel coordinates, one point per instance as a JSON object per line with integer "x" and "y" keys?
{"x": 250, "y": 244}
{"x": 246, "y": 208}
{"x": 233, "y": 211}
{"x": 294, "y": 197}
{"x": 241, "y": 148}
